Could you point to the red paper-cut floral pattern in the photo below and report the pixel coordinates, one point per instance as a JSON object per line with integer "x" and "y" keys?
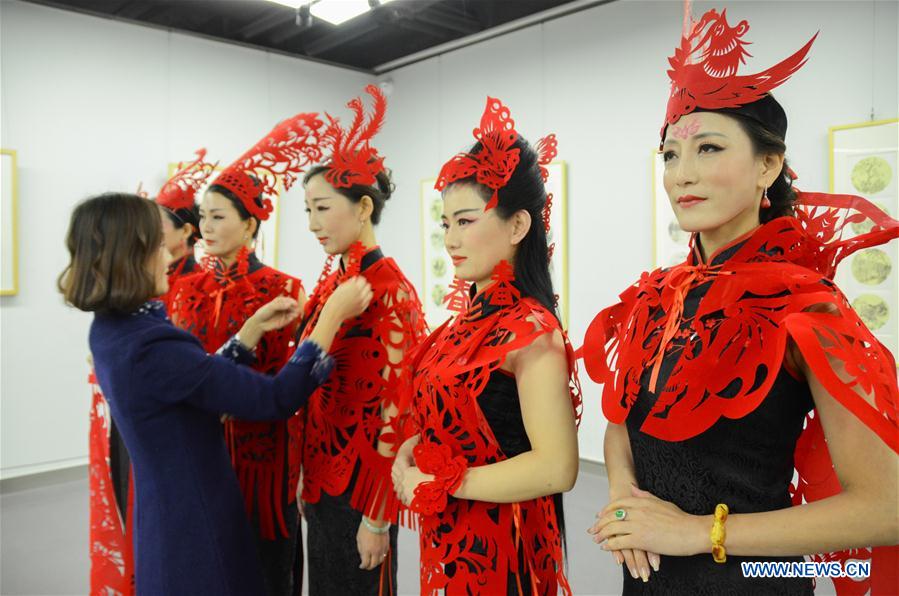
{"x": 343, "y": 418}
{"x": 704, "y": 68}
{"x": 451, "y": 369}
{"x": 212, "y": 305}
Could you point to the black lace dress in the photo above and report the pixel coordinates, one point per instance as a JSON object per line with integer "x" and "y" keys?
{"x": 745, "y": 463}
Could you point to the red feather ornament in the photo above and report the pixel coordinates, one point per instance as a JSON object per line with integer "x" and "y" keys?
{"x": 352, "y": 158}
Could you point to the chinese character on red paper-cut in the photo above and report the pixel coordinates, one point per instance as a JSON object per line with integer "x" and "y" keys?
{"x": 456, "y": 299}
{"x": 503, "y": 292}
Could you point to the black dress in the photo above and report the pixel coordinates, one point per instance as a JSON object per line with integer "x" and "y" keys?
{"x": 746, "y": 463}
{"x": 501, "y": 407}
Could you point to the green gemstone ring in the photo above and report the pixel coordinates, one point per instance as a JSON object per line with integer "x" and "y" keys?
{"x": 620, "y": 514}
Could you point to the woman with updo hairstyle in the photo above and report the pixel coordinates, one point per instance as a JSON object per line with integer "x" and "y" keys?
{"x": 216, "y": 300}
{"x": 752, "y": 415}
{"x": 350, "y": 433}
{"x": 166, "y": 395}
{"x": 494, "y": 400}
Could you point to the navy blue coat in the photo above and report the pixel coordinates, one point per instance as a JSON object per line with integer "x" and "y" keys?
{"x": 166, "y": 395}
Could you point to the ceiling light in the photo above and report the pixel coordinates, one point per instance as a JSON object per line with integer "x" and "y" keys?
{"x": 290, "y": 3}
{"x": 335, "y": 12}
{"x": 339, "y": 11}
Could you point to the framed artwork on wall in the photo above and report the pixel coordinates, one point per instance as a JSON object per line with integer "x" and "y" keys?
{"x": 863, "y": 161}
{"x": 670, "y": 244}
{"x": 437, "y": 274}
{"x": 9, "y": 239}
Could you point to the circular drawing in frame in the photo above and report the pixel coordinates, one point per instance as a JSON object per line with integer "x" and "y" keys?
{"x": 871, "y": 175}
{"x": 438, "y": 293}
{"x": 438, "y": 267}
{"x": 863, "y": 227}
{"x": 871, "y": 267}
{"x": 872, "y": 310}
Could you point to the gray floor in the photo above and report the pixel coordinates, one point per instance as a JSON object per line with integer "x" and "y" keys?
{"x": 44, "y": 537}
{"x": 43, "y": 549}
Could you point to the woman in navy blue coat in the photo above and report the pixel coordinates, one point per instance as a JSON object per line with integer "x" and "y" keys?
{"x": 167, "y": 394}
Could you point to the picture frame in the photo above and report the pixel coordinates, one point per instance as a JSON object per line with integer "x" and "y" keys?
{"x": 864, "y": 161}
{"x": 9, "y": 228}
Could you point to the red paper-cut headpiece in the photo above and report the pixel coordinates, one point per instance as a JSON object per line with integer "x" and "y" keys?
{"x": 353, "y": 160}
{"x": 280, "y": 157}
{"x": 704, "y": 69}
{"x": 179, "y": 191}
{"x": 547, "y": 149}
{"x": 495, "y": 162}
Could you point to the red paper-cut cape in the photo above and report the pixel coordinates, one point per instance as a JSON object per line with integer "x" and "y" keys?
{"x": 777, "y": 287}
{"x": 343, "y": 420}
{"x": 451, "y": 369}
{"x": 111, "y": 537}
{"x": 212, "y": 305}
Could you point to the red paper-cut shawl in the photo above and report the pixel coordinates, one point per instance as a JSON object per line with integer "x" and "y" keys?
{"x": 343, "y": 421}
{"x": 777, "y": 287}
{"x": 451, "y": 369}
{"x": 212, "y": 305}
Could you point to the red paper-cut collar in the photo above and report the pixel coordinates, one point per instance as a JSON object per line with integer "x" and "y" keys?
{"x": 179, "y": 191}
{"x": 353, "y": 160}
{"x": 704, "y": 68}
{"x": 278, "y": 159}
{"x": 495, "y": 162}
{"x": 224, "y": 274}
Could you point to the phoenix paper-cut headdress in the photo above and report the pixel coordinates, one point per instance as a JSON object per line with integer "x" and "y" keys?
{"x": 704, "y": 75}
{"x": 352, "y": 159}
{"x": 279, "y": 158}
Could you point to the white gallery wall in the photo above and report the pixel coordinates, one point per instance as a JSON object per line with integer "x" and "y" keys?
{"x": 93, "y": 105}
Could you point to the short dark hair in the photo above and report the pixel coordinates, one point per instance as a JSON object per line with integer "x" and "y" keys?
{"x": 111, "y": 239}
{"x": 379, "y": 194}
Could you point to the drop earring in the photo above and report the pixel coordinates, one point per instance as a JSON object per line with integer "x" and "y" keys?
{"x": 766, "y": 202}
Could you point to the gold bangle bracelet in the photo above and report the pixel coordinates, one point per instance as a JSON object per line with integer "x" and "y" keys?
{"x": 719, "y": 534}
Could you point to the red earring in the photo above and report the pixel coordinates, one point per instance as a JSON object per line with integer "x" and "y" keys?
{"x": 766, "y": 202}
